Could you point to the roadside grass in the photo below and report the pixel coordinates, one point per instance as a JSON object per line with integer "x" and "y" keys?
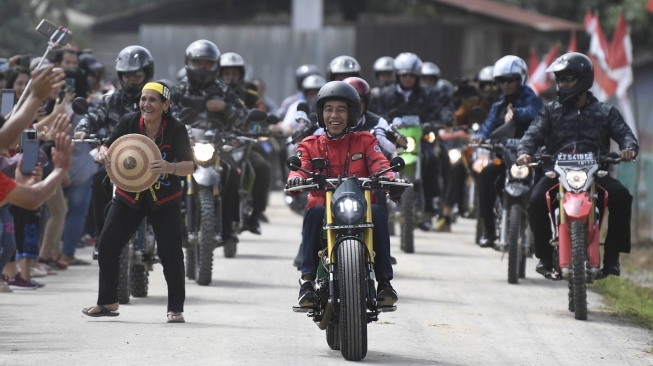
{"x": 628, "y": 298}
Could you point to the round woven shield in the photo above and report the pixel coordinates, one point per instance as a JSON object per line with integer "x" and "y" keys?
{"x": 131, "y": 156}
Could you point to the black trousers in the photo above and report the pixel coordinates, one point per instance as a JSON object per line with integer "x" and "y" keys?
{"x": 619, "y": 204}
{"x": 456, "y": 187}
{"x": 490, "y": 181}
{"x": 261, "y": 189}
{"x": 121, "y": 223}
{"x": 430, "y": 175}
{"x": 230, "y": 196}
{"x": 101, "y": 193}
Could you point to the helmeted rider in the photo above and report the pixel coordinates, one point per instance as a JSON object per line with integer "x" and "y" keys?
{"x": 384, "y": 71}
{"x": 576, "y": 116}
{"x": 135, "y": 67}
{"x": 431, "y": 74}
{"x": 487, "y": 87}
{"x": 311, "y": 85}
{"x": 232, "y": 72}
{"x": 343, "y": 67}
{"x": 209, "y": 98}
{"x": 519, "y": 105}
{"x": 338, "y": 109}
{"x": 301, "y": 73}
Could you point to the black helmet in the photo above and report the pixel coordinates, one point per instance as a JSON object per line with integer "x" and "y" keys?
{"x": 339, "y": 90}
{"x": 134, "y": 58}
{"x": 304, "y": 71}
{"x": 573, "y": 63}
{"x": 202, "y": 50}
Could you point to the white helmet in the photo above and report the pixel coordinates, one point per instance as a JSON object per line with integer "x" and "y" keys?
{"x": 343, "y": 65}
{"x": 232, "y": 59}
{"x": 431, "y": 69}
{"x": 313, "y": 82}
{"x": 511, "y": 66}
{"x": 486, "y": 74}
{"x": 408, "y": 63}
{"x": 384, "y": 64}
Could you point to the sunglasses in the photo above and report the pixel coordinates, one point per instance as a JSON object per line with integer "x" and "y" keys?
{"x": 566, "y": 78}
{"x": 505, "y": 79}
{"x": 134, "y": 74}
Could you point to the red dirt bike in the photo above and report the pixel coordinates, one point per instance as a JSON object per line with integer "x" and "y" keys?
{"x": 576, "y": 219}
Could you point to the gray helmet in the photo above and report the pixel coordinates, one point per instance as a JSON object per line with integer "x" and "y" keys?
{"x": 445, "y": 87}
{"x": 408, "y": 63}
{"x": 431, "y": 69}
{"x": 202, "y": 50}
{"x": 486, "y": 75}
{"x": 343, "y": 65}
{"x": 232, "y": 59}
{"x": 134, "y": 58}
{"x": 573, "y": 63}
{"x": 384, "y": 64}
{"x": 339, "y": 90}
{"x": 313, "y": 82}
{"x": 303, "y": 71}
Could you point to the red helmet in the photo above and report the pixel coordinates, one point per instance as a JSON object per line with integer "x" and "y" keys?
{"x": 363, "y": 89}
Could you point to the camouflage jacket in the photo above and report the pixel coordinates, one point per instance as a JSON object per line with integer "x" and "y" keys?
{"x": 107, "y": 113}
{"x": 185, "y": 96}
{"x": 558, "y": 125}
{"x": 429, "y": 106}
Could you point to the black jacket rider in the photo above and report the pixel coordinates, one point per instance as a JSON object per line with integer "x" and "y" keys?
{"x": 108, "y": 112}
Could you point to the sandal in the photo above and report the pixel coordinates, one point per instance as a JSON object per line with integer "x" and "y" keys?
{"x": 175, "y": 317}
{"x": 103, "y": 312}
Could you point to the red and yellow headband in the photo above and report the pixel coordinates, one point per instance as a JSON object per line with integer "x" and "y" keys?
{"x": 159, "y": 88}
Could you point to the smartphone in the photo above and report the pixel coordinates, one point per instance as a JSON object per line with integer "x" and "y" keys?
{"x": 8, "y": 100}
{"x": 47, "y": 28}
{"x": 70, "y": 85}
{"x": 30, "y": 149}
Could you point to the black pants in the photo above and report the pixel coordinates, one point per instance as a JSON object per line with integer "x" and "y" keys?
{"x": 261, "y": 189}
{"x": 430, "y": 175}
{"x": 490, "y": 181}
{"x": 619, "y": 204}
{"x": 101, "y": 193}
{"x": 229, "y": 194}
{"x": 456, "y": 187}
{"x": 121, "y": 223}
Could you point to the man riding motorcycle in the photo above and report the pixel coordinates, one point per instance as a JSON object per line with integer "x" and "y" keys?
{"x": 301, "y": 73}
{"x": 408, "y": 98}
{"x": 343, "y": 67}
{"x": 135, "y": 67}
{"x": 347, "y": 154}
{"x": 431, "y": 74}
{"x": 576, "y": 116}
{"x": 232, "y": 73}
{"x": 201, "y": 91}
{"x": 519, "y": 104}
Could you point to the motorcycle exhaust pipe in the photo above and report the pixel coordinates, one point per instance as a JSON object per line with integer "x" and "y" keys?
{"x": 326, "y": 316}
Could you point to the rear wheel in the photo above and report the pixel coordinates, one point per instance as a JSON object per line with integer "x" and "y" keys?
{"x": 578, "y": 268}
{"x": 514, "y": 243}
{"x": 408, "y": 221}
{"x": 333, "y": 336}
{"x": 352, "y": 280}
{"x": 124, "y": 274}
{"x": 205, "y": 241}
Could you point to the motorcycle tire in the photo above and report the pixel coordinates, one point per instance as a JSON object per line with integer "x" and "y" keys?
{"x": 190, "y": 262}
{"x": 572, "y": 305}
{"x": 352, "y": 280}
{"x": 333, "y": 336}
{"x": 514, "y": 243}
{"x": 206, "y": 238}
{"x": 408, "y": 221}
{"x": 578, "y": 260}
{"x": 139, "y": 280}
{"x": 124, "y": 274}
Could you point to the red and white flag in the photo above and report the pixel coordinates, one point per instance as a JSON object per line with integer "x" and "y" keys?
{"x": 573, "y": 43}
{"x": 649, "y": 6}
{"x": 540, "y": 80}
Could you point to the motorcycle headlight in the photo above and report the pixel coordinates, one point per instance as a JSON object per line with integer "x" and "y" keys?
{"x": 518, "y": 172}
{"x": 203, "y": 152}
{"x": 454, "y": 155}
{"x": 576, "y": 178}
{"x": 348, "y": 210}
{"x": 410, "y": 145}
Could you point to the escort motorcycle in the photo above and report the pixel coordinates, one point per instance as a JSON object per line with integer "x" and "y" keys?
{"x": 576, "y": 218}
{"x": 345, "y": 278}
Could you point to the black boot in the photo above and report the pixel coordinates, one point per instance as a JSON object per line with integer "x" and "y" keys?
{"x": 385, "y": 294}
{"x": 544, "y": 267}
{"x": 611, "y": 264}
{"x": 307, "y": 296}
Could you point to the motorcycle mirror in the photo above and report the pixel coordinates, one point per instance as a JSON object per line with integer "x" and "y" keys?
{"x": 293, "y": 163}
{"x": 478, "y": 114}
{"x": 319, "y": 163}
{"x": 256, "y": 115}
{"x": 273, "y": 119}
{"x": 80, "y": 106}
{"x": 187, "y": 116}
{"x": 398, "y": 164}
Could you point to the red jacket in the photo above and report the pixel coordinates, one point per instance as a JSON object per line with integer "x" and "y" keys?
{"x": 365, "y": 159}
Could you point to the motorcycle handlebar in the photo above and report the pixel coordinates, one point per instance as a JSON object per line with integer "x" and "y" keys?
{"x": 376, "y": 183}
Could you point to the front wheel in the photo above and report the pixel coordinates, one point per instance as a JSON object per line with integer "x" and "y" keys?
{"x": 408, "y": 221}
{"x": 352, "y": 279}
{"x": 514, "y": 245}
{"x": 578, "y": 268}
{"x": 124, "y": 274}
{"x": 205, "y": 243}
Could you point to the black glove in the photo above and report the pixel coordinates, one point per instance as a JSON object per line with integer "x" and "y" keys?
{"x": 295, "y": 182}
{"x": 395, "y": 193}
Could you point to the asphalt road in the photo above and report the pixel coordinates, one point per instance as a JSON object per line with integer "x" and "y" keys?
{"x": 455, "y": 308}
